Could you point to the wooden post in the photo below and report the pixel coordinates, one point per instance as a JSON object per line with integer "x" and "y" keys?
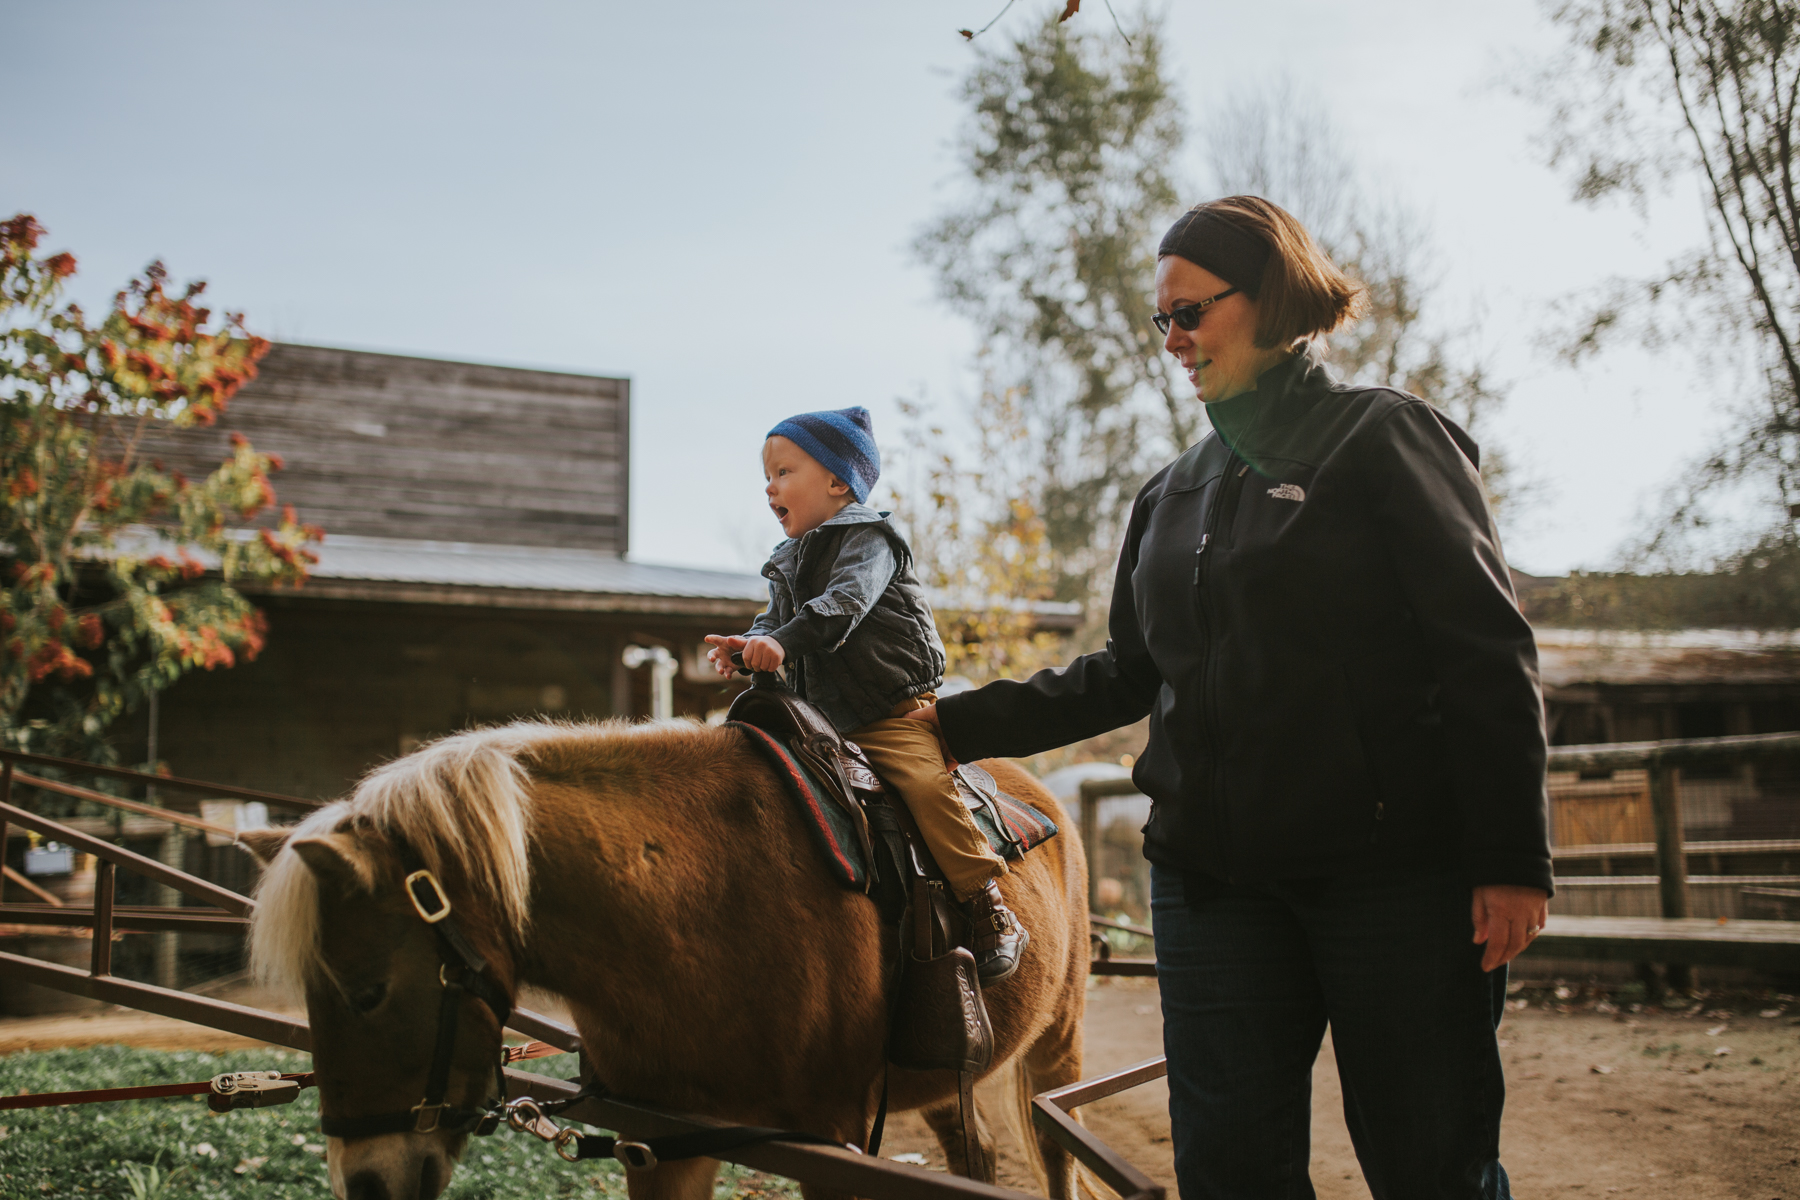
{"x": 1092, "y": 791}
{"x": 1671, "y": 854}
{"x": 105, "y": 876}
{"x": 6, "y": 776}
{"x": 1090, "y": 842}
{"x": 1671, "y": 858}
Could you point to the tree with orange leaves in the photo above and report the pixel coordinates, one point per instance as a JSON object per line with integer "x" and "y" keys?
{"x": 116, "y": 577}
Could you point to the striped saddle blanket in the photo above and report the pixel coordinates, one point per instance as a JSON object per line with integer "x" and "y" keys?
{"x": 841, "y": 831}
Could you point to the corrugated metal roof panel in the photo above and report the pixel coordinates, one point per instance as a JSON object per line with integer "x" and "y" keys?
{"x": 468, "y": 564}
{"x": 1568, "y": 657}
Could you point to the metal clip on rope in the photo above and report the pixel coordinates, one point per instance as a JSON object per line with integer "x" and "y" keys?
{"x": 251, "y": 1089}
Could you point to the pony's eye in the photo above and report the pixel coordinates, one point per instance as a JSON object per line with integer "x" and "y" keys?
{"x": 363, "y": 1000}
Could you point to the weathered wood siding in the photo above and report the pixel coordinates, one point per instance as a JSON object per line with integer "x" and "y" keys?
{"x": 344, "y": 686}
{"x": 387, "y": 446}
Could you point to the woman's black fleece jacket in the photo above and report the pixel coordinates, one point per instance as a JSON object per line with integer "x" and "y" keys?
{"x": 1312, "y": 607}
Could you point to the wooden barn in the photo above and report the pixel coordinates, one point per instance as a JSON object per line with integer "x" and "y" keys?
{"x": 475, "y": 568}
{"x": 1740, "y": 820}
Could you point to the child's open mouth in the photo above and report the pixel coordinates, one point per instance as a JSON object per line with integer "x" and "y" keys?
{"x": 780, "y": 512}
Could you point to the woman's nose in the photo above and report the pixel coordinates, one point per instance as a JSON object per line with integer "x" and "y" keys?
{"x": 1176, "y": 340}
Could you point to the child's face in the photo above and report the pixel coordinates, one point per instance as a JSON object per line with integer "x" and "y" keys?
{"x": 801, "y": 492}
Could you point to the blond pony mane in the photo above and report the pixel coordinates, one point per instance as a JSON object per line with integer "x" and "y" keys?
{"x": 462, "y": 803}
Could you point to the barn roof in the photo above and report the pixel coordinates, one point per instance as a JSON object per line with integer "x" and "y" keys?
{"x": 397, "y": 560}
{"x": 1572, "y": 657}
{"x": 355, "y": 567}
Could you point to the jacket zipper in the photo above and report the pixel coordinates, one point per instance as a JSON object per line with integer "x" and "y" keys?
{"x": 1227, "y": 497}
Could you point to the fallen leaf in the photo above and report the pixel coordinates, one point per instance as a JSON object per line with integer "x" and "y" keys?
{"x": 246, "y": 1165}
{"x": 1069, "y": 10}
{"x": 1769, "y": 1012}
{"x": 1598, "y": 1070}
{"x": 1721, "y": 1050}
{"x": 915, "y": 1159}
{"x": 1716, "y": 1030}
{"x": 1563, "y": 993}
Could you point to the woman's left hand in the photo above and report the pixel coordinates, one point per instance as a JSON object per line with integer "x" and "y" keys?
{"x": 1507, "y": 917}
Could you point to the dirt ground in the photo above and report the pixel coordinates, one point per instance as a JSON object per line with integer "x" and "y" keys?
{"x": 1691, "y": 1105}
{"x": 1701, "y": 1104}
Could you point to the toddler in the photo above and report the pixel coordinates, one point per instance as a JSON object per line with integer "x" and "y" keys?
{"x": 848, "y": 618}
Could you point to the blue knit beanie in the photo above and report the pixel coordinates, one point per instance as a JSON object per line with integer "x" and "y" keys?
{"x": 844, "y": 443}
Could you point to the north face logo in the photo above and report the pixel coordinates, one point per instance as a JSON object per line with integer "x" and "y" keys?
{"x": 1288, "y": 491}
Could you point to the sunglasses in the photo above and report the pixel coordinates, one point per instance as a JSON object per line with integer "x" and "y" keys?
{"x": 1188, "y": 315}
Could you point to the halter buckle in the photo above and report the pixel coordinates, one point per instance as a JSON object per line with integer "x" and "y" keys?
{"x": 635, "y": 1155}
{"x": 422, "y": 888}
{"x": 432, "y": 1112}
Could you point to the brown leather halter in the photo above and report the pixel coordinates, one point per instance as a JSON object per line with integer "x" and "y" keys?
{"x": 432, "y": 1114}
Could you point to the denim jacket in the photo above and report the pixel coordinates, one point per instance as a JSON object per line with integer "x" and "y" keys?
{"x": 850, "y": 615}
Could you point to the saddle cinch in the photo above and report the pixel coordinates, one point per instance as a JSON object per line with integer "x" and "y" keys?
{"x": 871, "y": 844}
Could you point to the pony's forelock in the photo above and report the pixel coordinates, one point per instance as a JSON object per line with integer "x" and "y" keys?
{"x": 462, "y": 803}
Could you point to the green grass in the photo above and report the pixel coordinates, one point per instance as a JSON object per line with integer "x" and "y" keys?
{"x": 176, "y": 1148}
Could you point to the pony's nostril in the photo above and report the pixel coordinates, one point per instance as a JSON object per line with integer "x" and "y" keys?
{"x": 366, "y": 1185}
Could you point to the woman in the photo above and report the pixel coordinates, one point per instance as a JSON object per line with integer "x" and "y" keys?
{"x": 1346, "y": 752}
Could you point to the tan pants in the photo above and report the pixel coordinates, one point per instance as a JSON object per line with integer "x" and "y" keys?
{"x": 907, "y": 756}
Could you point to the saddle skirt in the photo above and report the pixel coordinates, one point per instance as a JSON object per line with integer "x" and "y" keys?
{"x": 833, "y": 785}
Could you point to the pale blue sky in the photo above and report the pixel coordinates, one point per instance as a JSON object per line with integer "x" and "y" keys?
{"x": 716, "y": 200}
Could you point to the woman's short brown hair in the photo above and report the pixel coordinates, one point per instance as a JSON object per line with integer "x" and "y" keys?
{"x": 1303, "y": 294}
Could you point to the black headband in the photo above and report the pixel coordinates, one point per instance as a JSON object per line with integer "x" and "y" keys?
{"x": 1209, "y": 240}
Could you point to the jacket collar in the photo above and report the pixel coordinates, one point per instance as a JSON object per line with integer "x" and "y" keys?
{"x": 1283, "y": 394}
{"x": 853, "y": 513}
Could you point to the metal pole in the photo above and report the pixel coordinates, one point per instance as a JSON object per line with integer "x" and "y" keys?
{"x": 105, "y": 877}
{"x": 662, "y": 676}
{"x": 174, "y": 845}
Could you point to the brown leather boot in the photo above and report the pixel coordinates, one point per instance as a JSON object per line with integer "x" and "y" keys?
{"x": 995, "y": 935}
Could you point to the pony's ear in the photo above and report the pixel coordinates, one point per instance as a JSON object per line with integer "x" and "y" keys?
{"x": 338, "y": 859}
{"x": 264, "y": 844}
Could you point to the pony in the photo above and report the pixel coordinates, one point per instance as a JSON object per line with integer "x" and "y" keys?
{"x": 658, "y": 878}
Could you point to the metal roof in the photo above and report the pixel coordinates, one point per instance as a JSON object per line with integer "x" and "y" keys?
{"x": 362, "y": 567}
{"x": 1568, "y": 657}
{"x": 469, "y": 564}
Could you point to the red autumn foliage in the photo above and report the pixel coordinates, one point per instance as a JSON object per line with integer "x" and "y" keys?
{"x": 55, "y": 658}
{"x": 72, "y": 487}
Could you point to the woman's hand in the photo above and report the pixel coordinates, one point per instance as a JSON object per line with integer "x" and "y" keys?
{"x": 928, "y": 714}
{"x": 1507, "y": 917}
{"x": 722, "y": 650}
{"x": 763, "y": 653}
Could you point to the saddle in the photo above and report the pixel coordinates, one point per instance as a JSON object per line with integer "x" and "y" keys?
{"x": 938, "y": 1018}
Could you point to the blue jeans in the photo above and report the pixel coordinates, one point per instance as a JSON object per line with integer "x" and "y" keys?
{"x": 1251, "y": 974}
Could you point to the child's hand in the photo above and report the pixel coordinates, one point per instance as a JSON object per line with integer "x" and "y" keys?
{"x": 722, "y": 650}
{"x": 763, "y": 653}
